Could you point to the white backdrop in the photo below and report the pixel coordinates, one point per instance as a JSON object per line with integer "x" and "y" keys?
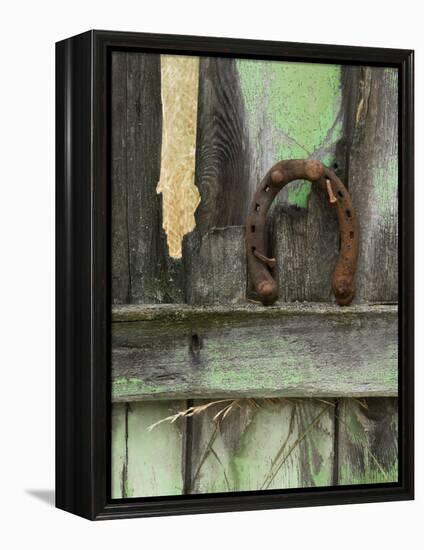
{"x": 28, "y": 32}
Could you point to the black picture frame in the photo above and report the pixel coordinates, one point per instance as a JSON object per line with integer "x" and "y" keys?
{"x": 82, "y": 275}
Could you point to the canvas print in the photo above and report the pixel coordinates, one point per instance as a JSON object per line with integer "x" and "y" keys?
{"x": 254, "y": 268}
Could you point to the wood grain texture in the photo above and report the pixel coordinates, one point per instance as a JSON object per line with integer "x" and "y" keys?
{"x": 252, "y": 351}
{"x": 250, "y": 115}
{"x": 373, "y": 182}
{"x": 119, "y": 457}
{"x": 215, "y": 266}
{"x": 154, "y": 458}
{"x": 367, "y": 441}
{"x": 222, "y": 154}
{"x": 179, "y": 92}
{"x": 120, "y": 264}
{"x": 142, "y": 271}
{"x": 284, "y": 444}
{"x": 294, "y": 111}
{"x": 368, "y": 451}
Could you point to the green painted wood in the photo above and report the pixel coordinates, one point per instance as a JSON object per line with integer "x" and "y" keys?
{"x": 155, "y": 460}
{"x": 367, "y": 441}
{"x": 294, "y": 111}
{"x": 119, "y": 450}
{"x": 251, "y": 351}
{"x": 283, "y": 444}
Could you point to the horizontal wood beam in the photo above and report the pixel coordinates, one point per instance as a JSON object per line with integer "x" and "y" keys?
{"x": 289, "y": 350}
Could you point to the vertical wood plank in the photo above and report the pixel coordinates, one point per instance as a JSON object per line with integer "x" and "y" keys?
{"x": 368, "y": 440}
{"x": 373, "y": 183}
{"x": 290, "y": 110}
{"x": 368, "y": 451}
{"x": 142, "y": 271}
{"x": 284, "y": 444}
{"x": 222, "y": 152}
{"x": 119, "y": 193}
{"x": 155, "y": 460}
{"x": 119, "y": 450}
{"x": 151, "y": 280}
{"x": 294, "y": 110}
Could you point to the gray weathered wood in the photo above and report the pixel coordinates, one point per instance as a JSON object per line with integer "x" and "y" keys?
{"x": 367, "y": 435}
{"x": 167, "y": 352}
{"x": 120, "y": 269}
{"x": 367, "y": 440}
{"x": 373, "y": 183}
{"x": 142, "y": 271}
{"x": 215, "y": 266}
{"x": 142, "y": 463}
{"x": 305, "y": 243}
{"x": 222, "y": 147}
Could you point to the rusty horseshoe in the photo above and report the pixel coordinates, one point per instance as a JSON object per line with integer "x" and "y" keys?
{"x": 259, "y": 264}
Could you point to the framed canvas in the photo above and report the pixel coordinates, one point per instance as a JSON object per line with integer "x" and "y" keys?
{"x": 234, "y": 274}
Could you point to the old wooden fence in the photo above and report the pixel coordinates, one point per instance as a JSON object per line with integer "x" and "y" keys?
{"x": 313, "y": 385}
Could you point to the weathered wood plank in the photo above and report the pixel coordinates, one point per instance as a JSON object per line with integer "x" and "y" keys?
{"x": 294, "y": 111}
{"x": 119, "y": 457}
{"x": 142, "y": 271}
{"x": 155, "y": 458}
{"x": 222, "y": 151}
{"x": 368, "y": 450}
{"x": 367, "y": 441}
{"x": 373, "y": 183}
{"x": 215, "y": 266}
{"x": 297, "y": 350}
{"x": 284, "y": 444}
{"x": 119, "y": 192}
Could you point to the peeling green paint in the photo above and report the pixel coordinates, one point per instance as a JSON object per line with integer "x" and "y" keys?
{"x": 295, "y": 110}
{"x": 298, "y": 194}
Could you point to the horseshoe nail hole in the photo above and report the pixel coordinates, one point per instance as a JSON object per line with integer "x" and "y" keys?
{"x": 351, "y": 234}
{"x": 252, "y": 228}
{"x": 257, "y": 207}
{"x": 348, "y": 213}
{"x": 340, "y": 193}
{"x": 266, "y": 188}
{"x": 196, "y": 343}
{"x": 253, "y": 248}
{"x": 335, "y": 166}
